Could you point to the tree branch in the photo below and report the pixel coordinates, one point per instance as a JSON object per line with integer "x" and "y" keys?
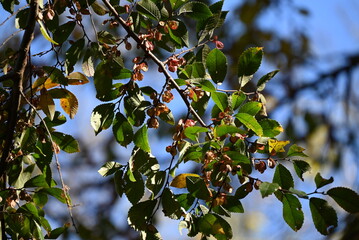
{"x": 158, "y": 62}
{"x": 17, "y": 75}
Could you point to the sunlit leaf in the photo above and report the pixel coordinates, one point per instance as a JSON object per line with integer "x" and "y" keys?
{"x": 220, "y": 99}
{"x": 197, "y": 187}
{"x": 77, "y": 78}
{"x": 109, "y": 168}
{"x": 69, "y": 104}
{"x": 192, "y": 132}
{"x": 141, "y": 139}
{"x": 134, "y": 188}
{"x": 271, "y": 128}
{"x": 45, "y": 34}
{"x": 217, "y": 65}
{"x": 267, "y": 188}
{"x": 122, "y": 130}
{"x": 251, "y": 108}
{"x": 47, "y": 104}
{"x": 155, "y": 182}
{"x": 102, "y": 117}
{"x": 66, "y": 142}
{"x": 296, "y": 150}
{"x": 180, "y": 180}
{"x": 263, "y": 80}
{"x": 277, "y": 146}
{"x": 250, "y": 122}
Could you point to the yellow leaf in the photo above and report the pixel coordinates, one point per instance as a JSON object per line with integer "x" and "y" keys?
{"x": 45, "y": 83}
{"x": 217, "y": 228}
{"x": 277, "y": 146}
{"x": 77, "y": 78}
{"x": 180, "y": 180}
{"x": 47, "y": 104}
{"x": 45, "y": 34}
{"x": 69, "y": 104}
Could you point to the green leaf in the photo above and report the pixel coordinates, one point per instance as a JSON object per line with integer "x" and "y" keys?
{"x": 103, "y": 80}
{"x": 38, "y": 181}
{"x": 102, "y": 117}
{"x": 106, "y": 37}
{"x": 299, "y": 193}
{"x": 109, "y": 168}
{"x": 155, "y": 182}
{"x": 250, "y": 122}
{"x": 192, "y": 132}
{"x": 141, "y": 139}
{"x": 149, "y": 9}
{"x": 55, "y": 233}
{"x": 251, "y": 108}
{"x": 180, "y": 35}
{"x": 220, "y": 99}
{"x": 143, "y": 162}
{"x": 98, "y": 8}
{"x": 168, "y": 117}
{"x": 122, "y": 130}
{"x": 292, "y": 212}
{"x": 222, "y": 130}
{"x": 346, "y": 198}
{"x": 175, "y": 4}
{"x": 217, "y": 65}
{"x": 185, "y": 200}
{"x": 119, "y": 182}
{"x": 237, "y": 99}
{"x": 263, "y": 80}
{"x": 283, "y": 177}
{"x": 212, "y": 224}
{"x": 40, "y": 199}
{"x": 321, "y": 182}
{"x": 62, "y": 33}
{"x": 57, "y": 193}
{"x": 233, "y": 204}
{"x": 171, "y": 206}
{"x": 267, "y": 188}
{"x": 238, "y": 158}
{"x": 324, "y": 216}
{"x": 197, "y": 187}
{"x": 139, "y": 214}
{"x": 67, "y": 143}
{"x": 196, "y": 10}
{"x": 73, "y": 54}
{"x": 134, "y": 188}
{"x": 296, "y": 150}
{"x": 301, "y": 167}
{"x": 249, "y": 61}
{"x": 271, "y": 128}
{"x": 21, "y": 18}
{"x": 45, "y": 34}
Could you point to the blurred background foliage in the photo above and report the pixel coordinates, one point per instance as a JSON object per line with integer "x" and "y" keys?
{"x": 314, "y": 97}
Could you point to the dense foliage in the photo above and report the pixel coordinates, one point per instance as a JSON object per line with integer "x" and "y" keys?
{"x": 227, "y": 133}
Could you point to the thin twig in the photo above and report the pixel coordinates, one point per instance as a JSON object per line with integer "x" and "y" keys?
{"x": 13, "y": 14}
{"x": 10, "y": 37}
{"x": 58, "y": 166}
